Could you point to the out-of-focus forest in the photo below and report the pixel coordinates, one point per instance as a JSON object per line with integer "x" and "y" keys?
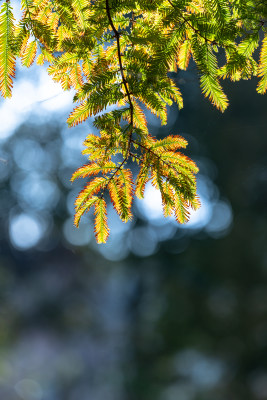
{"x": 162, "y": 311}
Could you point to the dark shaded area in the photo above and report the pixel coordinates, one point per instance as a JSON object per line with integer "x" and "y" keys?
{"x": 187, "y": 322}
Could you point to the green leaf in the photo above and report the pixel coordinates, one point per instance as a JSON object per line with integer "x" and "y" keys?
{"x": 7, "y": 56}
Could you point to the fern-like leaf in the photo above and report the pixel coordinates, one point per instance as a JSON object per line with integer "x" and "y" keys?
{"x": 90, "y": 189}
{"x": 181, "y": 208}
{"x": 141, "y": 180}
{"x": 81, "y": 12}
{"x": 262, "y": 85}
{"x": 170, "y": 143}
{"x": 29, "y": 53}
{"x": 7, "y": 57}
{"x": 184, "y": 54}
{"x": 86, "y": 207}
{"x": 101, "y": 227}
{"x": 168, "y": 204}
{"x": 93, "y": 169}
{"x": 79, "y": 114}
{"x": 213, "y": 90}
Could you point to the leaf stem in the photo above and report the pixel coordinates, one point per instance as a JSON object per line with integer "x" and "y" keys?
{"x": 128, "y": 95}
{"x": 117, "y": 36}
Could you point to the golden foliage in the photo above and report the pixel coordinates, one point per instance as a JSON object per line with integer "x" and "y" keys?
{"x": 262, "y": 72}
{"x": 184, "y": 54}
{"x": 101, "y": 226}
{"x": 120, "y": 54}
{"x": 28, "y": 53}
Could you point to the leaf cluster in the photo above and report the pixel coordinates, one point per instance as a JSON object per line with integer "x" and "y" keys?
{"x": 120, "y": 52}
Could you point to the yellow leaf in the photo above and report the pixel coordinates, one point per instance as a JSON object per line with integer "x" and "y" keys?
{"x": 262, "y": 85}
{"x": 141, "y": 181}
{"x": 84, "y": 209}
{"x": 181, "y": 209}
{"x": 93, "y": 169}
{"x": 29, "y": 53}
{"x": 213, "y": 90}
{"x": 79, "y": 114}
{"x": 90, "y": 189}
{"x": 101, "y": 227}
{"x": 184, "y": 54}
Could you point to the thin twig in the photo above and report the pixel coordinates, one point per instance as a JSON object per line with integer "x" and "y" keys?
{"x": 128, "y": 95}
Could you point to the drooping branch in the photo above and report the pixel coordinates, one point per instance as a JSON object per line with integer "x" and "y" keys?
{"x": 106, "y": 65}
{"x": 117, "y": 36}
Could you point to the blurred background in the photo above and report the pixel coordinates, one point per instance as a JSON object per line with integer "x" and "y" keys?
{"x": 162, "y": 311}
